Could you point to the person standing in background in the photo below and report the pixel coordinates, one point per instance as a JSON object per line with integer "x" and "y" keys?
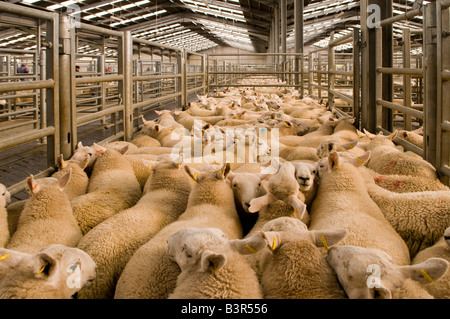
{"x": 23, "y": 69}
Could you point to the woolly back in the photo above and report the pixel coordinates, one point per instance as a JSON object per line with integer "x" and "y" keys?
{"x": 212, "y": 191}
{"x": 169, "y": 177}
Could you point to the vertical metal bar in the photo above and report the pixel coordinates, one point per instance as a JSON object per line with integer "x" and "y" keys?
{"x": 367, "y": 71}
{"x": 283, "y": 35}
{"x": 379, "y": 76}
{"x": 430, "y": 103}
{"x": 127, "y": 42}
{"x": 183, "y": 79}
{"x": 319, "y": 75}
{"x": 73, "y": 89}
{"x": 52, "y": 71}
{"x": 64, "y": 87}
{"x": 407, "y": 125}
{"x": 205, "y": 72}
{"x": 102, "y": 66}
{"x": 388, "y": 49}
{"x": 443, "y": 89}
{"x": 310, "y": 74}
{"x": 206, "y": 56}
{"x": 356, "y": 78}
{"x": 277, "y": 33}
{"x": 331, "y": 67}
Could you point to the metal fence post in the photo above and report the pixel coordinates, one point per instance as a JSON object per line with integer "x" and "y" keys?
{"x": 430, "y": 74}
{"x": 127, "y": 43}
{"x": 378, "y": 77}
{"x": 356, "y": 78}
{"x": 407, "y": 125}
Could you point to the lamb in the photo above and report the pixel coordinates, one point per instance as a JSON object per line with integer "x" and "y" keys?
{"x": 141, "y": 171}
{"x": 210, "y": 204}
{"x": 420, "y": 217}
{"x": 368, "y": 273}
{"x": 165, "y": 118}
{"x": 342, "y": 201}
{"x": 112, "y": 243}
{"x": 296, "y": 153}
{"x": 282, "y": 186}
{"x": 441, "y": 249}
{"x": 80, "y": 155}
{"x": 246, "y": 186}
{"x": 5, "y": 199}
{"x": 54, "y": 272}
{"x": 325, "y": 130}
{"x": 46, "y": 218}
{"x": 79, "y": 179}
{"x": 327, "y": 147}
{"x": 212, "y": 267}
{"x": 387, "y": 159}
{"x": 167, "y": 136}
{"x": 142, "y": 140}
{"x": 112, "y": 188}
{"x": 413, "y": 137}
{"x": 305, "y": 173}
{"x": 294, "y": 266}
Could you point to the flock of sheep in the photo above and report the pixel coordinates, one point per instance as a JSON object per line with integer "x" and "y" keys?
{"x": 310, "y": 208}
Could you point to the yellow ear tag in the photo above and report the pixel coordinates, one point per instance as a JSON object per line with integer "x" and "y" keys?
{"x": 296, "y": 213}
{"x": 274, "y": 243}
{"x": 285, "y": 124}
{"x": 427, "y": 276}
{"x": 42, "y": 269}
{"x": 253, "y": 250}
{"x": 6, "y": 256}
{"x": 324, "y": 242}
{"x": 34, "y": 187}
{"x": 195, "y": 175}
{"x": 84, "y": 163}
{"x": 63, "y": 164}
{"x": 360, "y": 160}
{"x": 150, "y": 166}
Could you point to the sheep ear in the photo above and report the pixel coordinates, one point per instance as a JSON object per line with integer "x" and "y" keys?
{"x": 144, "y": 121}
{"x": 256, "y": 204}
{"x": 192, "y": 172}
{"x": 33, "y": 186}
{"x": 352, "y": 120}
{"x": 428, "y": 271}
{"x": 250, "y": 245}
{"x": 349, "y": 146}
{"x": 383, "y": 292}
{"x": 333, "y": 160}
{"x": 158, "y": 112}
{"x": 60, "y": 163}
{"x": 98, "y": 148}
{"x": 224, "y": 171}
{"x": 149, "y": 164}
{"x": 80, "y": 144}
{"x": 405, "y": 134}
{"x": 298, "y": 205}
{"x": 329, "y": 237}
{"x": 231, "y": 175}
{"x": 85, "y": 161}
{"x": 64, "y": 180}
{"x": 273, "y": 239}
{"x": 210, "y": 258}
{"x": 43, "y": 266}
{"x": 361, "y": 160}
{"x": 393, "y": 135}
{"x": 123, "y": 150}
{"x": 157, "y": 128}
{"x": 287, "y": 124}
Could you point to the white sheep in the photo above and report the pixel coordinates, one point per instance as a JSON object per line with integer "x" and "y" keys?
{"x": 441, "y": 249}
{"x": 282, "y": 186}
{"x": 305, "y": 173}
{"x": 413, "y": 137}
{"x": 5, "y": 199}
{"x": 47, "y": 217}
{"x": 112, "y": 187}
{"x": 367, "y": 273}
{"x": 210, "y": 204}
{"x": 79, "y": 179}
{"x": 420, "y": 217}
{"x": 142, "y": 140}
{"x": 294, "y": 265}
{"x": 54, "y": 272}
{"x": 387, "y": 159}
{"x": 246, "y": 186}
{"x": 112, "y": 243}
{"x": 212, "y": 267}
{"x": 342, "y": 201}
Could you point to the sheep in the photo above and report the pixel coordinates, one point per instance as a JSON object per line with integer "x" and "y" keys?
{"x": 210, "y": 204}
{"x": 140, "y": 171}
{"x": 166, "y": 136}
{"x": 368, "y": 273}
{"x": 142, "y": 140}
{"x": 212, "y": 267}
{"x": 413, "y": 137}
{"x": 54, "y": 272}
{"x": 282, "y": 186}
{"x": 420, "y": 217}
{"x": 118, "y": 145}
{"x": 46, "y": 218}
{"x": 246, "y": 186}
{"x": 305, "y": 173}
{"x": 165, "y": 118}
{"x": 387, "y": 159}
{"x": 296, "y": 153}
{"x": 327, "y": 147}
{"x": 403, "y": 183}
{"x": 13, "y": 211}
{"x": 195, "y": 110}
{"x": 5, "y": 199}
{"x": 112, "y": 243}
{"x": 325, "y": 130}
{"x": 294, "y": 266}
{"x": 441, "y": 249}
{"x": 112, "y": 187}
{"x": 342, "y": 201}
{"x": 79, "y": 179}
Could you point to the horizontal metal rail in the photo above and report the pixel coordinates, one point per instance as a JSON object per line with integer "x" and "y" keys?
{"x": 406, "y": 145}
{"x": 96, "y": 79}
{"x": 402, "y": 71}
{"x": 18, "y": 187}
{"x": 402, "y": 109}
{"x": 156, "y": 100}
{"x": 404, "y": 16}
{"x": 444, "y": 170}
{"x": 155, "y": 77}
{"x": 26, "y": 137}
{"x": 252, "y": 85}
{"x": 98, "y": 115}
{"x": 345, "y": 97}
{"x": 253, "y": 72}
{"x": 25, "y": 11}
{"x": 19, "y": 86}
